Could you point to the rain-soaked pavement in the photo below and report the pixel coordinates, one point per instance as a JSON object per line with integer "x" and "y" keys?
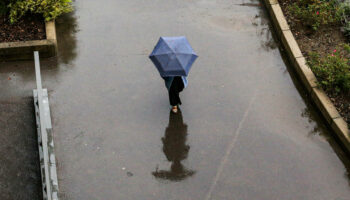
{"x": 245, "y": 130}
{"x": 19, "y": 159}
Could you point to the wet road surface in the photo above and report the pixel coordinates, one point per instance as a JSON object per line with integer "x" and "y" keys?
{"x": 245, "y": 130}
{"x": 19, "y": 158}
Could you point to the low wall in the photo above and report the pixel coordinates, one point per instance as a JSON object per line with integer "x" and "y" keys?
{"x": 11, "y": 51}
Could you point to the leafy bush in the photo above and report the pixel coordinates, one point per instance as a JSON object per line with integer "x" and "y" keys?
{"x": 4, "y": 6}
{"x": 316, "y": 13}
{"x": 333, "y": 71}
{"x": 50, "y": 9}
{"x": 344, "y": 13}
{"x": 346, "y": 29}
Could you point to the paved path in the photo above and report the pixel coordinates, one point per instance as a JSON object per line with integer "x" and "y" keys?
{"x": 245, "y": 131}
{"x": 19, "y": 158}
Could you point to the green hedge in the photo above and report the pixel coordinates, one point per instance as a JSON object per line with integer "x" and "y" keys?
{"x": 49, "y": 9}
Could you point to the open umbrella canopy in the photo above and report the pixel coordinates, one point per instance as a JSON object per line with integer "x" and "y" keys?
{"x": 173, "y": 56}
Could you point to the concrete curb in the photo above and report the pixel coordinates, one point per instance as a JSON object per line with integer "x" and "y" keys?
{"x": 307, "y": 77}
{"x": 11, "y": 51}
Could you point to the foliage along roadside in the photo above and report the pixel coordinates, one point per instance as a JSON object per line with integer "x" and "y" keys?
{"x": 49, "y": 9}
{"x": 332, "y": 70}
{"x": 4, "y": 6}
{"x": 316, "y": 13}
{"x": 344, "y": 13}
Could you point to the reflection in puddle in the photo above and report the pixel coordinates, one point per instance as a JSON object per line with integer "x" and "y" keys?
{"x": 264, "y": 30}
{"x": 250, "y": 4}
{"x": 320, "y": 129}
{"x": 67, "y": 27}
{"x": 175, "y": 150}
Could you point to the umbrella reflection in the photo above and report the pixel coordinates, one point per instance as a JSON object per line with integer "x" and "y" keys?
{"x": 175, "y": 150}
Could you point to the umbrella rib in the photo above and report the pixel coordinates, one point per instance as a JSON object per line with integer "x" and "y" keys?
{"x": 168, "y": 45}
{"x": 168, "y": 63}
{"x": 164, "y": 54}
{"x": 179, "y": 59}
{"x": 186, "y": 54}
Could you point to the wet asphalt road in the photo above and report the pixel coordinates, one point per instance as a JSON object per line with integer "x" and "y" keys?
{"x": 245, "y": 131}
{"x": 19, "y": 159}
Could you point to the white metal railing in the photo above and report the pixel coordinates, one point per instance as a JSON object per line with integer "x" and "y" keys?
{"x": 45, "y": 137}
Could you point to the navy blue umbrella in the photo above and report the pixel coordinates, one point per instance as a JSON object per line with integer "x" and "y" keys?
{"x": 173, "y": 56}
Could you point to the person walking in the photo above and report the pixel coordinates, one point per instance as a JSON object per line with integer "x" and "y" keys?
{"x": 175, "y": 85}
{"x": 173, "y": 57}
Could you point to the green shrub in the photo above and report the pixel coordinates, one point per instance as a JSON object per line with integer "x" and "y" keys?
{"x": 50, "y": 9}
{"x": 4, "y": 6}
{"x": 316, "y": 13}
{"x": 344, "y": 13}
{"x": 346, "y": 29}
{"x": 333, "y": 71}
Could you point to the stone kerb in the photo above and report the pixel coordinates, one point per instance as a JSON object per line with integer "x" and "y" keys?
{"x": 307, "y": 77}
{"x": 10, "y": 51}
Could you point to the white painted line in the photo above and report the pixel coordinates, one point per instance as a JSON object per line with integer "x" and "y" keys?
{"x": 229, "y": 149}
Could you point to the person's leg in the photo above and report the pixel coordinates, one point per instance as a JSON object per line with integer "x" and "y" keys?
{"x": 173, "y": 101}
{"x": 178, "y": 100}
{"x": 179, "y": 88}
{"x": 174, "y": 93}
{"x": 172, "y": 97}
